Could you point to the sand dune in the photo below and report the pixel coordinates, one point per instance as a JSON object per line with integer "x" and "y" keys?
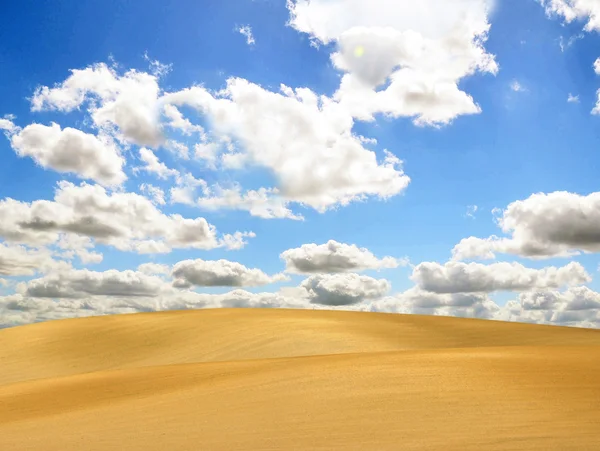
{"x": 285, "y": 379}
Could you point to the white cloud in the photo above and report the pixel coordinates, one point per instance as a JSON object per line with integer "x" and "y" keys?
{"x": 263, "y": 203}
{"x": 71, "y": 151}
{"x": 154, "y": 269}
{"x": 457, "y": 277}
{"x": 84, "y": 293}
{"x": 423, "y": 55}
{"x": 305, "y": 140}
{"x": 570, "y": 10}
{"x": 578, "y": 306}
{"x": 334, "y": 257}
{"x": 246, "y": 31}
{"x": 544, "y": 225}
{"x": 17, "y": 260}
{"x": 344, "y": 289}
{"x": 597, "y": 66}
{"x": 157, "y": 195}
{"x": 127, "y": 221}
{"x": 79, "y": 245}
{"x": 179, "y": 149}
{"x": 8, "y": 126}
{"x": 128, "y": 102}
{"x": 82, "y": 283}
{"x": 157, "y": 68}
{"x": 154, "y": 166}
{"x": 178, "y": 122}
{"x": 572, "y": 98}
{"x": 220, "y": 273}
{"x": 185, "y": 190}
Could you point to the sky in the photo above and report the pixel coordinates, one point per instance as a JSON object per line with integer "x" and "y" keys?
{"x": 428, "y": 157}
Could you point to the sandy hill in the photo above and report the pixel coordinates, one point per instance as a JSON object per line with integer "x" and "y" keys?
{"x": 243, "y": 379}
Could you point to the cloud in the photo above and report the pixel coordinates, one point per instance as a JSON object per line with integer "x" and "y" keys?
{"x": 81, "y": 283}
{"x": 84, "y": 294}
{"x": 457, "y": 277}
{"x": 185, "y": 190}
{"x": 292, "y": 133}
{"x": 557, "y": 224}
{"x": 263, "y": 203}
{"x": 246, "y": 31}
{"x": 18, "y": 260}
{"x": 154, "y": 268}
{"x": 126, "y": 221}
{"x": 178, "y": 122}
{"x": 8, "y": 126}
{"x": 157, "y": 195}
{"x": 157, "y": 68}
{"x": 572, "y": 98}
{"x": 71, "y": 151}
{"x": 220, "y": 273}
{"x": 420, "y": 302}
{"x": 399, "y": 58}
{"x": 79, "y": 245}
{"x": 570, "y": 10}
{"x": 578, "y": 306}
{"x": 126, "y": 105}
{"x": 343, "y": 289}
{"x": 334, "y": 257}
{"x": 154, "y": 166}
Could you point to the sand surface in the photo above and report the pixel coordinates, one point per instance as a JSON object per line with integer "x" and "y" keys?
{"x": 241, "y": 379}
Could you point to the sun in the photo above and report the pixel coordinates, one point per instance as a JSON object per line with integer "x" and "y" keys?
{"x": 359, "y": 51}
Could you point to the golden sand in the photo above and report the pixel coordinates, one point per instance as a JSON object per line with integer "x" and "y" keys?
{"x": 294, "y": 380}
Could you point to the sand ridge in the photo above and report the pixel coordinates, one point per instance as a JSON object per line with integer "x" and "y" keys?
{"x": 288, "y": 379}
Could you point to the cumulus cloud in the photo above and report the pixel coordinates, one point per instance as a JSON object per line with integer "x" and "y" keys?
{"x": 153, "y": 165}
{"x": 71, "y": 151}
{"x": 578, "y": 306}
{"x": 85, "y": 294}
{"x": 185, "y": 190}
{"x": 156, "y": 194}
{"x": 570, "y": 10}
{"x": 127, "y": 104}
{"x": 572, "y": 99}
{"x": 420, "y": 302}
{"x": 219, "y": 273}
{"x": 80, "y": 246}
{"x": 458, "y": 277}
{"x": 334, "y": 257}
{"x": 18, "y": 260}
{"x": 178, "y": 122}
{"x": 344, "y": 289}
{"x": 154, "y": 268}
{"x": 126, "y": 221}
{"x": 305, "y": 140}
{"x": 82, "y": 283}
{"x": 397, "y": 57}
{"x": 558, "y": 224}
{"x": 8, "y": 126}
{"x": 264, "y": 203}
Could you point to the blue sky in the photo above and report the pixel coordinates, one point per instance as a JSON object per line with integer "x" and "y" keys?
{"x": 526, "y": 139}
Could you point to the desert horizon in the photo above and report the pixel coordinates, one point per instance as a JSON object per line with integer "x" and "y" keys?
{"x": 249, "y": 379}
